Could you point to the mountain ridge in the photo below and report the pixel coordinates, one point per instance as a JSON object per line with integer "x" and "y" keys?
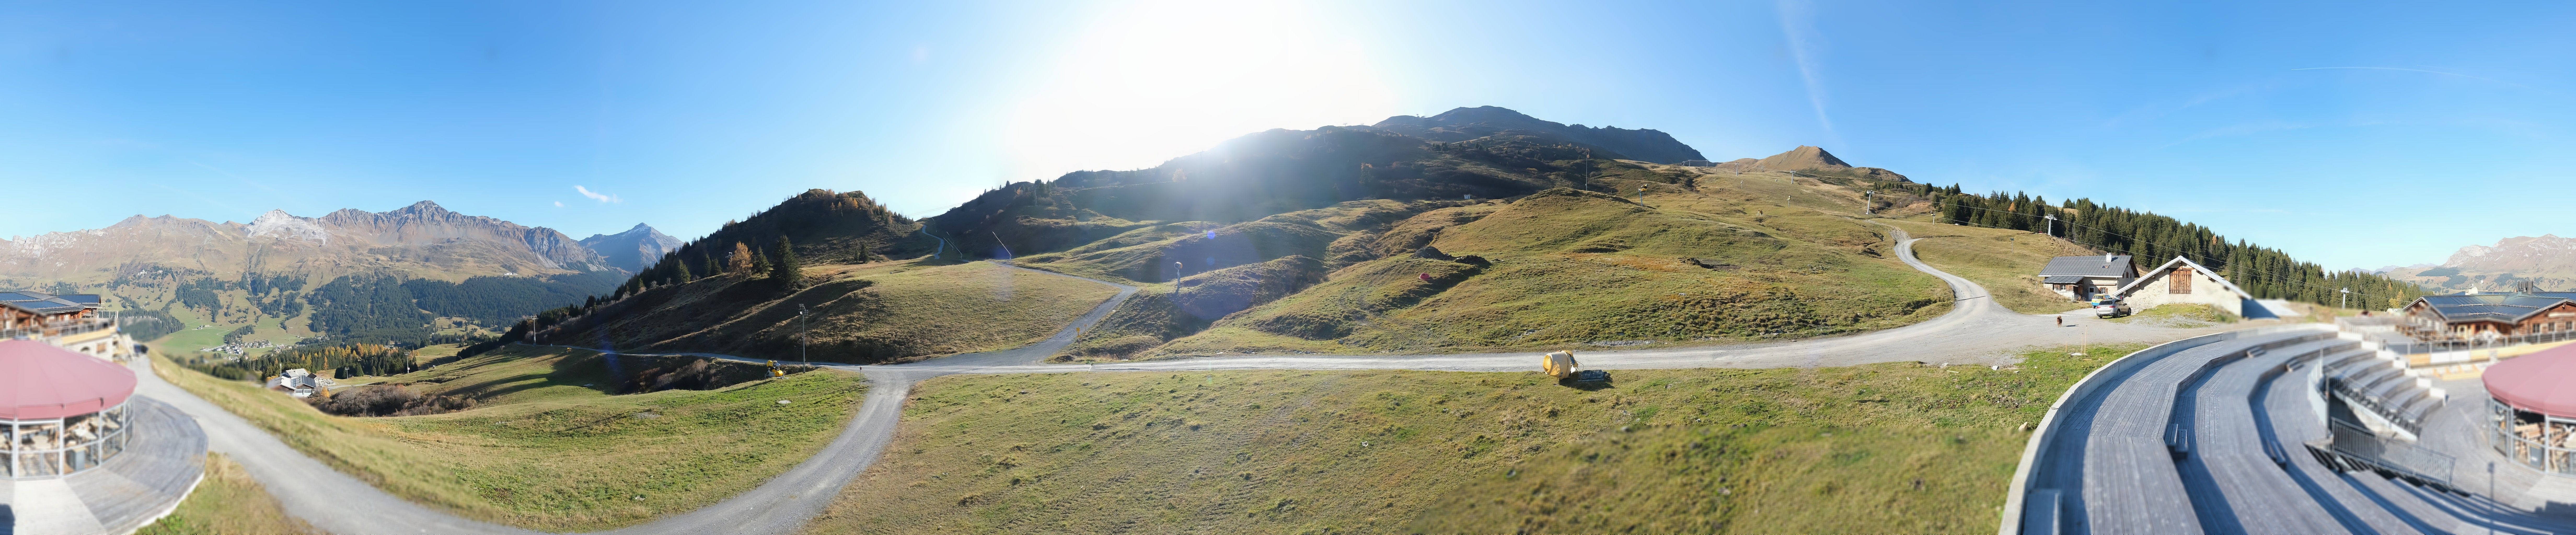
{"x": 423, "y": 239}
{"x": 1464, "y": 123}
{"x": 2547, "y": 262}
{"x": 633, "y": 249}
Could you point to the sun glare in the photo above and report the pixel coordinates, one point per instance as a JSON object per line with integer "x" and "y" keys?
{"x": 1150, "y": 80}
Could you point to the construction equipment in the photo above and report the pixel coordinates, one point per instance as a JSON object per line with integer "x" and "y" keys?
{"x": 774, "y": 371}
{"x": 1559, "y": 364}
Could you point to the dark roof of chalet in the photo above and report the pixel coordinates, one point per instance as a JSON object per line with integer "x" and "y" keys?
{"x": 2062, "y": 279}
{"x": 2087, "y": 266}
{"x": 2499, "y": 307}
{"x": 44, "y": 303}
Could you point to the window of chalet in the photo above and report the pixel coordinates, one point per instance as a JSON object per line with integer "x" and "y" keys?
{"x": 2180, "y": 281}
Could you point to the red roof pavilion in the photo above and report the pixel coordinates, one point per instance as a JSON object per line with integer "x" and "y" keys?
{"x": 41, "y": 382}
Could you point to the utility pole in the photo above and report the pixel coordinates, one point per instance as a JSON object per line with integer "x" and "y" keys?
{"x": 2052, "y": 224}
{"x": 2344, "y": 301}
{"x": 1869, "y": 202}
{"x": 1176, "y": 281}
{"x": 803, "y": 336}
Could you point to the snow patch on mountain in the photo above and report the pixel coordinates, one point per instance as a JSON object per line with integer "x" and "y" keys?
{"x": 279, "y": 224}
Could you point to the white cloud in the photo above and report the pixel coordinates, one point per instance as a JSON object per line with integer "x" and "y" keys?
{"x": 558, "y": 204}
{"x": 597, "y": 196}
{"x": 1796, "y": 25}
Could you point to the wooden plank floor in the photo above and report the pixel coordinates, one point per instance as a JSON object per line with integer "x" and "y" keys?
{"x": 2130, "y": 482}
{"x": 2230, "y": 451}
{"x": 165, "y": 455}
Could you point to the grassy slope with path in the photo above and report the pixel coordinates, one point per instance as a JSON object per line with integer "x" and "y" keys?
{"x": 544, "y": 452}
{"x": 2006, "y": 262}
{"x": 1863, "y": 448}
{"x": 228, "y": 502}
{"x": 1568, "y": 268}
{"x": 872, "y": 312}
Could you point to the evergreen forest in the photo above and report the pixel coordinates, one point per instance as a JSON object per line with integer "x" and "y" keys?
{"x": 338, "y": 360}
{"x": 2153, "y": 239}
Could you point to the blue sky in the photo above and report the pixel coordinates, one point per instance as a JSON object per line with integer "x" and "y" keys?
{"x": 2354, "y": 135}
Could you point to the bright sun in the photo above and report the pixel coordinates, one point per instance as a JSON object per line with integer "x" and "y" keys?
{"x": 1151, "y": 80}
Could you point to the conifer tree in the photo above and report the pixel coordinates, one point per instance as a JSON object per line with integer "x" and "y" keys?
{"x": 759, "y": 264}
{"x": 790, "y": 273}
{"x": 681, "y": 272}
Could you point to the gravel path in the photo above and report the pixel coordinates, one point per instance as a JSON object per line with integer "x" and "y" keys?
{"x": 1974, "y": 331}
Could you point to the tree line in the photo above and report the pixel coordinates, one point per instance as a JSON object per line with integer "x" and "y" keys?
{"x": 342, "y": 361}
{"x": 2153, "y": 239}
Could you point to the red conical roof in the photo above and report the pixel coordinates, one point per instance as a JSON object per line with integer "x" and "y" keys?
{"x": 41, "y": 382}
{"x": 2543, "y": 382}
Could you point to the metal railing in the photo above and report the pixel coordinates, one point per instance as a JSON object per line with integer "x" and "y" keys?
{"x": 2354, "y": 448}
{"x": 2513, "y": 439}
{"x": 51, "y": 448}
{"x": 2395, "y": 415}
{"x": 60, "y": 328}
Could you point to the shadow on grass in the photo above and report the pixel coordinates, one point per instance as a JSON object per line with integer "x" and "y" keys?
{"x": 1588, "y": 386}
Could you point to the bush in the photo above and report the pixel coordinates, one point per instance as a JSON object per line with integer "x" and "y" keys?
{"x": 149, "y": 325}
{"x": 387, "y": 400}
{"x": 696, "y": 375}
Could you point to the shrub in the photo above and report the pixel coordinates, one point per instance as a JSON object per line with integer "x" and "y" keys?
{"x": 387, "y": 400}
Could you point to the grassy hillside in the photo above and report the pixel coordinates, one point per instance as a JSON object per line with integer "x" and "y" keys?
{"x": 2006, "y": 262}
{"x": 1877, "y": 448}
{"x": 1701, "y": 258}
{"x": 549, "y": 448}
{"x": 228, "y": 502}
{"x": 862, "y": 313}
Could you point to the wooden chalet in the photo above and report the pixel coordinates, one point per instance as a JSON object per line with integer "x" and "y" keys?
{"x": 2491, "y": 315}
{"x": 2082, "y": 278}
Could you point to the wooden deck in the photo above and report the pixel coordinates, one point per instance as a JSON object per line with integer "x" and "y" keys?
{"x": 165, "y": 455}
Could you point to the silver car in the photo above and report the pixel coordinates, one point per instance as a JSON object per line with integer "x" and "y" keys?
{"x": 2110, "y": 309}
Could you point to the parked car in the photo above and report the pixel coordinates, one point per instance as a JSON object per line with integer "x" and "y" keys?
{"x": 2110, "y": 308}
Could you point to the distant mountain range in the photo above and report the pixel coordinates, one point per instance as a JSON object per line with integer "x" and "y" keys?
{"x": 2547, "y": 262}
{"x": 350, "y": 273}
{"x": 1340, "y": 238}
{"x": 423, "y": 240}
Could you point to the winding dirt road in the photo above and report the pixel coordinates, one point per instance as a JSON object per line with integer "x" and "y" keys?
{"x": 1974, "y": 331}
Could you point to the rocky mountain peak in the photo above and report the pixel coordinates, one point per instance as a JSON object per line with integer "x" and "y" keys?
{"x": 1803, "y": 158}
{"x": 633, "y": 250}
{"x": 1812, "y": 158}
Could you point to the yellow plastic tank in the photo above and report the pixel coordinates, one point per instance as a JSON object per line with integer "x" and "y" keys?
{"x": 1559, "y": 364}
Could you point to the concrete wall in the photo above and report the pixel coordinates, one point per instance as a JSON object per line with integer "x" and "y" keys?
{"x": 2204, "y": 290}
